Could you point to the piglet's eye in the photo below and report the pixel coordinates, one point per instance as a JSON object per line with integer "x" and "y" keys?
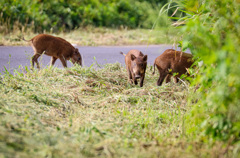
{"x": 79, "y": 58}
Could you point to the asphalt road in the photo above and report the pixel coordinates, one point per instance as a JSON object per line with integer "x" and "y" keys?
{"x": 13, "y": 57}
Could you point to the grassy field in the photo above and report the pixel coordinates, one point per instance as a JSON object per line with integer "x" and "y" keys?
{"x": 88, "y": 112}
{"x": 91, "y": 36}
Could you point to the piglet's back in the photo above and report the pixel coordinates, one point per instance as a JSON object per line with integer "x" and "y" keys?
{"x": 135, "y": 52}
{"x": 171, "y": 54}
{"x": 50, "y": 44}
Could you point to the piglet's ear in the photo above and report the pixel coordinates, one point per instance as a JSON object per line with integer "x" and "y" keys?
{"x": 133, "y": 57}
{"x": 145, "y": 58}
{"x": 76, "y": 50}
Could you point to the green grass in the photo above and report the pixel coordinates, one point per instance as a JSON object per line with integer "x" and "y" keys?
{"x": 91, "y": 36}
{"x": 84, "y": 112}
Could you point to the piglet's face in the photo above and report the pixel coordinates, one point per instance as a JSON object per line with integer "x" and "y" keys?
{"x": 138, "y": 65}
{"x": 76, "y": 57}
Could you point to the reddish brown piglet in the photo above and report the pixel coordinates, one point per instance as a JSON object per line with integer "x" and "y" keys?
{"x": 136, "y": 63}
{"x": 172, "y": 61}
{"x": 55, "y": 47}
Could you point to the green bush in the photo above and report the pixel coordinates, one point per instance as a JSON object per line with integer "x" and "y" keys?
{"x": 212, "y": 31}
{"x": 57, "y": 15}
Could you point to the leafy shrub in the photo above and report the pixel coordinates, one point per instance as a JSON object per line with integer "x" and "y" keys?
{"x": 57, "y": 15}
{"x": 212, "y": 32}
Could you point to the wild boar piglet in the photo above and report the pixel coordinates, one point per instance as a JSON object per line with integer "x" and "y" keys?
{"x": 136, "y": 63}
{"x": 56, "y": 47}
{"x": 172, "y": 61}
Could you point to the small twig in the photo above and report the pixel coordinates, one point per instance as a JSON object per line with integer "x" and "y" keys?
{"x": 174, "y": 12}
{"x": 182, "y": 82}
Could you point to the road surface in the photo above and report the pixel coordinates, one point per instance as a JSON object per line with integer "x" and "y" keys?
{"x": 13, "y": 57}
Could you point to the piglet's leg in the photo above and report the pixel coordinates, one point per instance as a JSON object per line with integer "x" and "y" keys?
{"x": 161, "y": 78}
{"x": 53, "y": 60}
{"x": 168, "y": 78}
{"x": 142, "y": 79}
{"x": 134, "y": 79}
{"x": 129, "y": 76}
{"x": 63, "y": 60}
{"x": 35, "y": 59}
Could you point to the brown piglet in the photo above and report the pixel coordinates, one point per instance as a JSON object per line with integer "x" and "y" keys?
{"x": 136, "y": 63}
{"x": 172, "y": 61}
{"x": 55, "y": 47}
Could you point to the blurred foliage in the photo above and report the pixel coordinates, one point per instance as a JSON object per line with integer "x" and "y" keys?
{"x": 212, "y": 31}
{"x": 58, "y": 15}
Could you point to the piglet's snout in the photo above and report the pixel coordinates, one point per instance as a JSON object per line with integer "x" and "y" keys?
{"x": 137, "y": 76}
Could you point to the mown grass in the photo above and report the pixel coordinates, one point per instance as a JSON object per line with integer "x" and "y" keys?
{"x": 91, "y": 36}
{"x": 88, "y": 112}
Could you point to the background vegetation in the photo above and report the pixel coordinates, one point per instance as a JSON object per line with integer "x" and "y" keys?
{"x": 57, "y": 15}
{"x": 86, "y": 22}
{"x": 212, "y": 33}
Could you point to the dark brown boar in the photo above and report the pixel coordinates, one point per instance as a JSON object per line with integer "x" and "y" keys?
{"x": 55, "y": 47}
{"x": 136, "y": 63}
{"x": 172, "y": 61}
